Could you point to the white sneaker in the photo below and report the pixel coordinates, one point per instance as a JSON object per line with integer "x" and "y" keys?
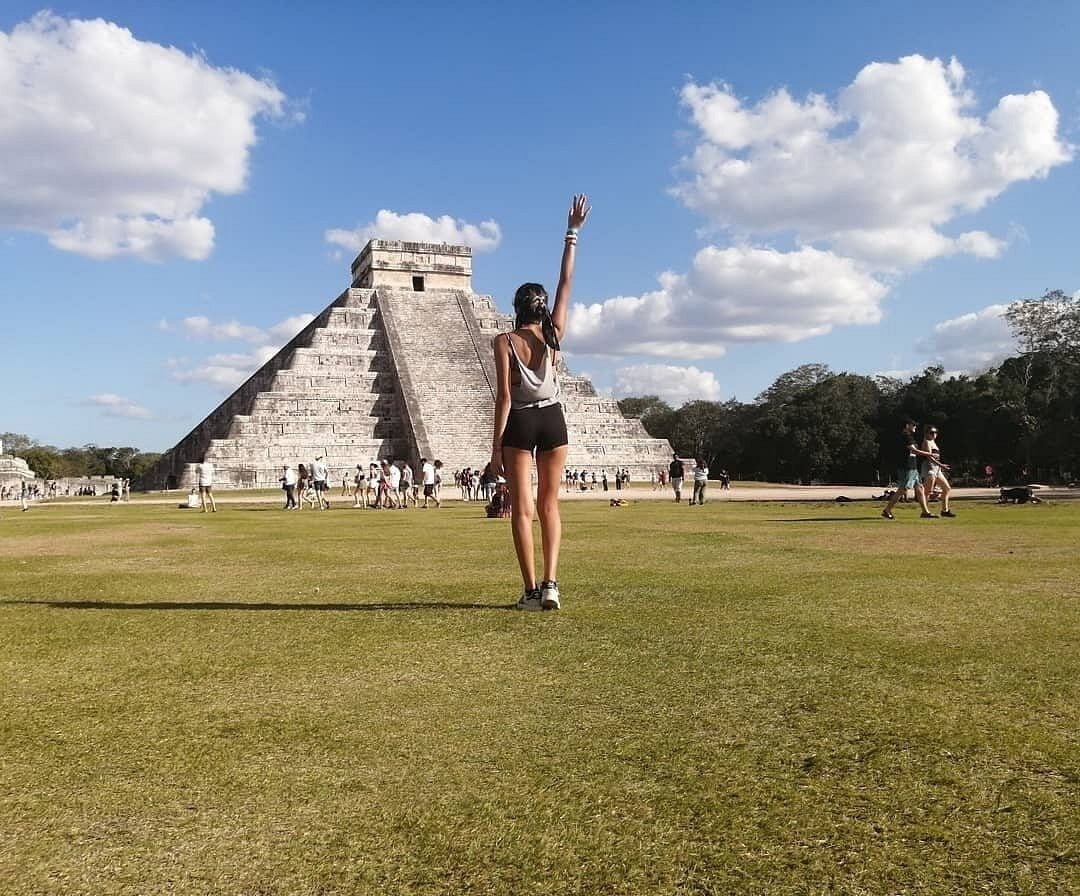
{"x": 530, "y": 600}
{"x": 549, "y": 595}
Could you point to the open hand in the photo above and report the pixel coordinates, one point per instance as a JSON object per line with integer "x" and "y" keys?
{"x": 579, "y": 211}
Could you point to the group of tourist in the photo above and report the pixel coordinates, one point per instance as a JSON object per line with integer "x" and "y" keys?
{"x": 587, "y": 481}
{"x": 476, "y": 485}
{"x": 381, "y": 485}
{"x": 28, "y": 490}
{"x": 920, "y": 468}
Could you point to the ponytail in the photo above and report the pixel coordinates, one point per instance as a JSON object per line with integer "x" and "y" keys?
{"x": 530, "y": 307}
{"x": 547, "y": 326}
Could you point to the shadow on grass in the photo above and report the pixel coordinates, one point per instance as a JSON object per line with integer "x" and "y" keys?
{"x": 240, "y": 605}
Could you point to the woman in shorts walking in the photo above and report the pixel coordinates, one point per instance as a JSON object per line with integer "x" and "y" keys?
{"x": 529, "y": 419}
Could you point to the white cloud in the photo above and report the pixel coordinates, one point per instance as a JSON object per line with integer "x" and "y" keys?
{"x": 731, "y": 295}
{"x": 227, "y": 370}
{"x": 286, "y": 329}
{"x": 675, "y": 385}
{"x": 971, "y": 342}
{"x": 112, "y": 405}
{"x": 202, "y": 328}
{"x": 865, "y": 186}
{"x": 111, "y": 146}
{"x": 876, "y": 174}
{"x": 224, "y": 371}
{"x": 419, "y": 228}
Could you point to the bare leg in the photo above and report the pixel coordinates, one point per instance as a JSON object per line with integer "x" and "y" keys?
{"x": 518, "y": 466}
{"x": 549, "y": 464}
{"x": 920, "y": 496}
{"x": 895, "y": 499}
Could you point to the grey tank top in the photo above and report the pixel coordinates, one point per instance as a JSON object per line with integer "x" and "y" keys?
{"x": 537, "y": 388}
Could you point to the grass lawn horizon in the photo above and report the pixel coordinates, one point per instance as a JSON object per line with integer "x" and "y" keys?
{"x": 752, "y": 698}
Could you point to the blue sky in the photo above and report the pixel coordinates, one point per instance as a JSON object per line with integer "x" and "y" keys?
{"x": 862, "y": 184}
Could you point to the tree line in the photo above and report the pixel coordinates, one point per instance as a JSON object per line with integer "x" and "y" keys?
{"x": 50, "y": 462}
{"x": 812, "y": 424}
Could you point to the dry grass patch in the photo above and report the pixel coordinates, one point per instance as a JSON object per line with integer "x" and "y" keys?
{"x": 341, "y": 703}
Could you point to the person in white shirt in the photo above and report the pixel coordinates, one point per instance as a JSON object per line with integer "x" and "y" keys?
{"x": 288, "y": 482}
{"x": 428, "y": 472}
{"x": 320, "y": 476}
{"x": 206, "y": 486}
{"x": 391, "y": 477}
{"x": 701, "y": 479}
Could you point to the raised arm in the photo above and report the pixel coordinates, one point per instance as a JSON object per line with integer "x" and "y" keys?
{"x": 575, "y": 220}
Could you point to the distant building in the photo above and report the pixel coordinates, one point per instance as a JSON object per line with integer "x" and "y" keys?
{"x": 14, "y": 471}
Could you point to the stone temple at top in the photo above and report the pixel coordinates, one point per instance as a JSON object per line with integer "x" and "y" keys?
{"x": 398, "y": 367}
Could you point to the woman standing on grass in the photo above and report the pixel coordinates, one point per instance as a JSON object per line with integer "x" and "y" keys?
{"x": 529, "y": 418}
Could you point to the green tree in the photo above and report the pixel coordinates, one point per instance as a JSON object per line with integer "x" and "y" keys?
{"x": 16, "y": 442}
{"x": 143, "y": 463}
{"x": 44, "y": 460}
{"x": 788, "y": 386}
{"x": 643, "y": 406}
{"x": 1039, "y": 386}
{"x": 695, "y": 429}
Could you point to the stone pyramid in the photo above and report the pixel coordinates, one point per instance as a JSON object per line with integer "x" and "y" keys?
{"x": 398, "y": 367}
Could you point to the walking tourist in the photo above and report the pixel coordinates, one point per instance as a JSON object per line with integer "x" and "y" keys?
{"x": 933, "y": 471}
{"x": 288, "y": 482}
{"x": 304, "y": 488}
{"x": 358, "y": 485}
{"x": 427, "y": 472}
{"x": 206, "y": 486}
{"x": 529, "y": 418}
{"x": 701, "y": 479}
{"x": 320, "y": 480}
{"x": 414, "y": 485}
{"x": 676, "y": 472}
{"x": 907, "y": 474}
{"x": 371, "y": 493}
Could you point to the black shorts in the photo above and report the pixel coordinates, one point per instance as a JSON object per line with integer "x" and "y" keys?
{"x": 542, "y": 429}
{"x": 321, "y": 485}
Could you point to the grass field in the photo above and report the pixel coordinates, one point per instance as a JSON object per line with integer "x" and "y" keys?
{"x": 746, "y": 699}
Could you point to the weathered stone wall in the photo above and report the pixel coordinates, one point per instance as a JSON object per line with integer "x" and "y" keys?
{"x": 396, "y": 264}
{"x": 443, "y": 381}
{"x": 329, "y": 391}
{"x": 14, "y": 471}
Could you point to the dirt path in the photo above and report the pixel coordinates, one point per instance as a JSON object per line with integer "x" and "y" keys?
{"x": 754, "y": 492}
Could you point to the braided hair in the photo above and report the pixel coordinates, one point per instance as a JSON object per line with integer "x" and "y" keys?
{"x": 530, "y": 307}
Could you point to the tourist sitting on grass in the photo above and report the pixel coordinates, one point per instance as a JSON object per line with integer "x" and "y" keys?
{"x": 500, "y": 506}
